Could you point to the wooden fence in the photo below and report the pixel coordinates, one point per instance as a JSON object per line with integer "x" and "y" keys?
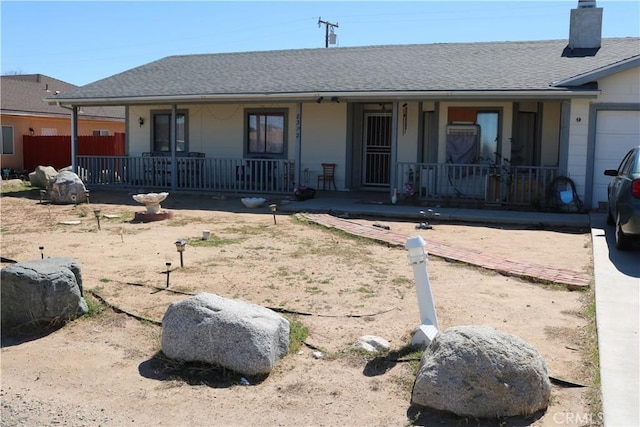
{"x": 56, "y": 150}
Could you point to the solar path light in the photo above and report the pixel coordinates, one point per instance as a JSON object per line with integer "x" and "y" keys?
{"x": 180, "y": 246}
{"x": 273, "y": 208}
{"x": 168, "y": 264}
{"x": 96, "y": 212}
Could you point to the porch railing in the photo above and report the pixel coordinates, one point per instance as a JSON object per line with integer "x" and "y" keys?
{"x": 445, "y": 184}
{"x": 191, "y": 173}
{"x": 474, "y": 184}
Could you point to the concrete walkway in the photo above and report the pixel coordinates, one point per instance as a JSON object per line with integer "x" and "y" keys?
{"x": 617, "y": 283}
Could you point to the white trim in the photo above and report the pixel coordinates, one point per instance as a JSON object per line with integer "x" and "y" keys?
{"x": 347, "y": 96}
{"x": 600, "y": 73}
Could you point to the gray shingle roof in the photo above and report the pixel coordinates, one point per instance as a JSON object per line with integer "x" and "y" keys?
{"x": 25, "y": 93}
{"x": 495, "y": 66}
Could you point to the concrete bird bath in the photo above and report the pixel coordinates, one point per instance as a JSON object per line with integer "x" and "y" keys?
{"x": 152, "y": 203}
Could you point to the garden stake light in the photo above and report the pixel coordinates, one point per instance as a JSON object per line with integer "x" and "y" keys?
{"x": 168, "y": 264}
{"x": 417, "y": 257}
{"x": 425, "y": 225}
{"x": 86, "y": 193}
{"x": 42, "y": 194}
{"x": 41, "y": 252}
{"x": 273, "y": 211}
{"x": 96, "y": 212}
{"x": 180, "y": 246}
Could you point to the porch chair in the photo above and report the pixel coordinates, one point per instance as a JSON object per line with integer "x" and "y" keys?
{"x": 327, "y": 176}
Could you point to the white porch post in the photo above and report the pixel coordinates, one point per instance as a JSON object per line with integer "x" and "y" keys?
{"x": 298, "y": 146}
{"x": 394, "y": 149}
{"x": 172, "y": 145}
{"x": 417, "y": 257}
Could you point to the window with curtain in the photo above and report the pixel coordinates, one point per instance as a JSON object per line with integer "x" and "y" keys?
{"x": 266, "y": 132}
{"x": 481, "y": 147}
{"x": 161, "y": 137}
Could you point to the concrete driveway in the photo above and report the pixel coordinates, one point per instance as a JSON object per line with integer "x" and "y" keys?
{"x": 617, "y": 283}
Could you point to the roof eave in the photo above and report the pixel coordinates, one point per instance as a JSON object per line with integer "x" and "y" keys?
{"x": 343, "y": 96}
{"x": 600, "y": 73}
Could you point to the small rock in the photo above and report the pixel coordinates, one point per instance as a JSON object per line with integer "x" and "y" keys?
{"x": 371, "y": 344}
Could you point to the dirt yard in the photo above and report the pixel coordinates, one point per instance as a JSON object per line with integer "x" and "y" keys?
{"x": 107, "y": 369}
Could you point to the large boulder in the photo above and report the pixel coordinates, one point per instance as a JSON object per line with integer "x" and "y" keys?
{"x": 42, "y": 176}
{"x": 41, "y": 292}
{"x": 67, "y": 188}
{"x": 82, "y": 173}
{"x": 477, "y": 371}
{"x": 236, "y": 335}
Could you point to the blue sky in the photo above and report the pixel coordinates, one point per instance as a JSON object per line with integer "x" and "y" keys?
{"x": 84, "y": 41}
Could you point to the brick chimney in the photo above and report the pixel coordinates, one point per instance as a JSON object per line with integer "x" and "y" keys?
{"x": 585, "y": 30}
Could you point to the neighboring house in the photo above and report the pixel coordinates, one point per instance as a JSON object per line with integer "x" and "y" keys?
{"x": 425, "y": 119}
{"x": 24, "y": 112}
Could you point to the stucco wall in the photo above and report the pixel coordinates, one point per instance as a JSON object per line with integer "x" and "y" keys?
{"x": 578, "y": 140}
{"x": 218, "y": 131}
{"x": 408, "y": 139}
{"x": 622, "y": 87}
{"x": 324, "y": 131}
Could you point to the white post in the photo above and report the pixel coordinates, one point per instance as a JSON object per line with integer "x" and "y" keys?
{"x": 428, "y": 328}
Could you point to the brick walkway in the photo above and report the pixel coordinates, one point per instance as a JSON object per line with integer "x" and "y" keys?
{"x": 571, "y": 279}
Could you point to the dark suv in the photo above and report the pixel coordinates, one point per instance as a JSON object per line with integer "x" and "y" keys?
{"x": 624, "y": 199}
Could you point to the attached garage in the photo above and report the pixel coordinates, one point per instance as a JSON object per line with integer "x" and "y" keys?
{"x": 616, "y": 132}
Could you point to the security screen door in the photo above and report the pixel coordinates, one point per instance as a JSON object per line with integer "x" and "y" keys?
{"x": 377, "y": 149}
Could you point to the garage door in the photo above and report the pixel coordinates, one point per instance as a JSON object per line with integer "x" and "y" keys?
{"x": 616, "y": 133}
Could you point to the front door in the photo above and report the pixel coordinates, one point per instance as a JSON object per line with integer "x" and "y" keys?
{"x": 377, "y": 149}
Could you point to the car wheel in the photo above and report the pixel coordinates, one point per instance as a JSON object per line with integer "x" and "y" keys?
{"x": 623, "y": 242}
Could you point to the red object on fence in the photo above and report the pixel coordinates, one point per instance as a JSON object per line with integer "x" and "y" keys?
{"x": 56, "y": 150}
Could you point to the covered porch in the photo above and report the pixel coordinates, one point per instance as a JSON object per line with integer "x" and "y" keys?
{"x": 442, "y": 184}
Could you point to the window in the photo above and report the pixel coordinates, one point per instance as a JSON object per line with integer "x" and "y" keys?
{"x": 487, "y": 144}
{"x": 489, "y": 134}
{"x": 100, "y": 133}
{"x": 266, "y": 132}
{"x": 161, "y": 132}
{"x": 7, "y": 139}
